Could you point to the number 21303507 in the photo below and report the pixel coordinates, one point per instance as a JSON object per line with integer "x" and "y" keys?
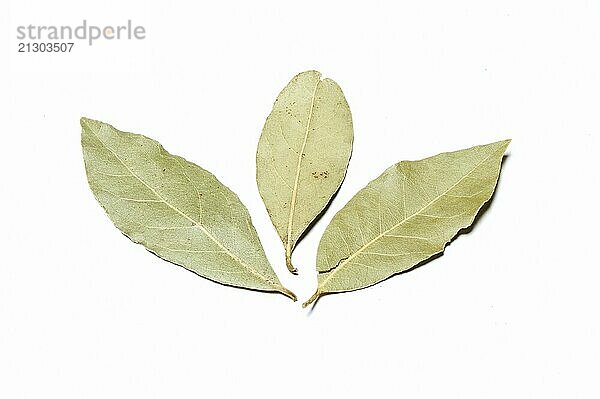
{"x": 45, "y": 47}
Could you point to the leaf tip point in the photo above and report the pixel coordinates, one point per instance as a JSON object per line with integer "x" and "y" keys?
{"x": 85, "y": 122}
{"x": 289, "y": 294}
{"x": 290, "y": 266}
{"x": 505, "y": 143}
{"x": 313, "y": 298}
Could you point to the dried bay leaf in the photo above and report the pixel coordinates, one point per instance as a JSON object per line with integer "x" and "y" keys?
{"x": 174, "y": 208}
{"x": 303, "y": 154}
{"x": 405, "y": 216}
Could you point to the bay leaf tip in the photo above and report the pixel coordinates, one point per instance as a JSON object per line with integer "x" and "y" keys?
{"x": 87, "y": 123}
{"x": 505, "y": 143}
{"x": 289, "y": 294}
{"x": 313, "y": 298}
{"x": 288, "y": 263}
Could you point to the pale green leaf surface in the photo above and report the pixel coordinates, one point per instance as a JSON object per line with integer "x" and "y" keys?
{"x": 405, "y": 216}
{"x": 303, "y": 154}
{"x": 174, "y": 208}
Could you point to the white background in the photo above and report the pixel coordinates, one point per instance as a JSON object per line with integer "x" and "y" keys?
{"x": 509, "y": 311}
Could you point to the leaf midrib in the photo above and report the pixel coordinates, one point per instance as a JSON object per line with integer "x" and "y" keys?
{"x": 297, "y": 179}
{"x": 196, "y": 223}
{"x": 378, "y": 237}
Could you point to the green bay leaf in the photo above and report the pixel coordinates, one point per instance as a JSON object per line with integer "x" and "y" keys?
{"x": 303, "y": 154}
{"x": 174, "y": 208}
{"x": 405, "y": 216}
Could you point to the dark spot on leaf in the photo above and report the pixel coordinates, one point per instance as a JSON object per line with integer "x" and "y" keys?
{"x": 323, "y": 175}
